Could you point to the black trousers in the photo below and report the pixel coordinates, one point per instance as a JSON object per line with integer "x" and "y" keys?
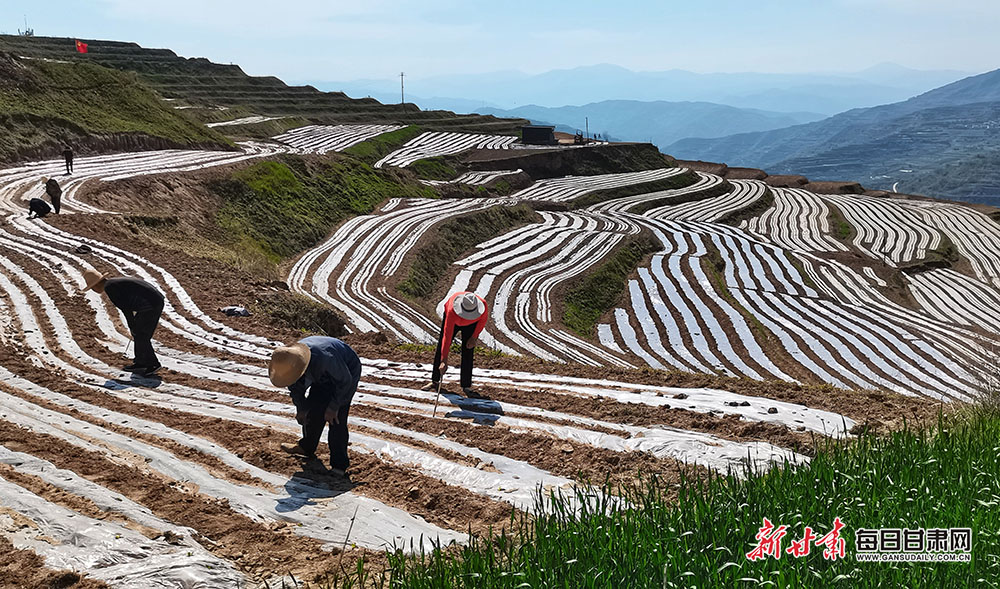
{"x": 69, "y": 165}
{"x": 56, "y": 202}
{"x": 312, "y": 431}
{"x": 142, "y": 325}
{"x": 467, "y": 354}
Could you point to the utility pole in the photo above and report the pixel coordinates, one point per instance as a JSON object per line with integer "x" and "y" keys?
{"x": 402, "y": 99}
{"x": 586, "y": 121}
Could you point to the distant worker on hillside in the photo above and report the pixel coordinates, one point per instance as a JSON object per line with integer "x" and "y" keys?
{"x": 68, "y": 155}
{"x": 142, "y": 305}
{"x": 330, "y": 371}
{"x": 38, "y": 208}
{"x": 464, "y": 312}
{"x": 54, "y": 191}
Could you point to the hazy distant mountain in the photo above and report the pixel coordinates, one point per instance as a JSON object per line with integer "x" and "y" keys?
{"x": 658, "y": 122}
{"x": 879, "y": 146}
{"x": 821, "y": 93}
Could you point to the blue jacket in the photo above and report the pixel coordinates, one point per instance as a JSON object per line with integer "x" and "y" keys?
{"x": 331, "y": 377}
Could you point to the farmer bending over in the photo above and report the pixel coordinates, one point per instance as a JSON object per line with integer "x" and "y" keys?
{"x": 464, "y": 312}
{"x": 54, "y": 191}
{"x": 329, "y": 370}
{"x": 142, "y": 305}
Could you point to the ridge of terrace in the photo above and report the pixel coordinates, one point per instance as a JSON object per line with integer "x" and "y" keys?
{"x": 207, "y": 84}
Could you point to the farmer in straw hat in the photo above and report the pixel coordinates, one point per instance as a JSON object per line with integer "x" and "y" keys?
{"x": 54, "y": 191}
{"x": 142, "y": 305}
{"x": 464, "y": 312}
{"x": 330, "y": 370}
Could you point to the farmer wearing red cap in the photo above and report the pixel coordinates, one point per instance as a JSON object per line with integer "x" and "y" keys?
{"x": 464, "y": 312}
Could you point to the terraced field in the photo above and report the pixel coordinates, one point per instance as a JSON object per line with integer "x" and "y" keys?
{"x": 202, "y": 87}
{"x": 180, "y": 480}
{"x": 756, "y": 301}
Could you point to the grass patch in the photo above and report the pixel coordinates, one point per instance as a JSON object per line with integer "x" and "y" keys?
{"x": 943, "y": 256}
{"x": 455, "y": 237}
{"x": 46, "y": 103}
{"x": 282, "y": 207}
{"x": 603, "y": 288}
{"x": 672, "y": 183}
{"x": 944, "y": 476}
{"x": 372, "y": 150}
{"x": 433, "y": 168}
{"x": 839, "y": 226}
{"x": 302, "y": 313}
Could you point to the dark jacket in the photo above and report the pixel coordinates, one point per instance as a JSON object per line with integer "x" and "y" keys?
{"x": 331, "y": 377}
{"x": 132, "y": 294}
{"x": 53, "y": 189}
{"x": 39, "y": 207}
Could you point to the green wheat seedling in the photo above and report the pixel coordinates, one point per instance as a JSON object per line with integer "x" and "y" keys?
{"x": 697, "y": 535}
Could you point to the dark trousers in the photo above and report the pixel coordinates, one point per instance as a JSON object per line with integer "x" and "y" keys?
{"x": 142, "y": 325}
{"x": 338, "y": 437}
{"x": 467, "y": 354}
{"x": 56, "y": 202}
{"x": 69, "y": 165}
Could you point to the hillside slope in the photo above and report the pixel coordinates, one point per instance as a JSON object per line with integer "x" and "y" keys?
{"x": 872, "y": 145}
{"x": 46, "y": 103}
{"x": 659, "y": 122}
{"x": 199, "y": 82}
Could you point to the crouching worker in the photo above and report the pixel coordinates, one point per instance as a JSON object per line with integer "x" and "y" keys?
{"x": 464, "y": 312}
{"x": 142, "y": 305}
{"x": 329, "y": 370}
{"x": 38, "y": 208}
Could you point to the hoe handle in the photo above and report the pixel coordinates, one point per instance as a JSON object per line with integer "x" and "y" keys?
{"x": 436, "y": 397}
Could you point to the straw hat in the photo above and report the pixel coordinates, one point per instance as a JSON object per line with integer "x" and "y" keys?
{"x": 288, "y": 364}
{"x": 469, "y": 306}
{"x": 92, "y": 278}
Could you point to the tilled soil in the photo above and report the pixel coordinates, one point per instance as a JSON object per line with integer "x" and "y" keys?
{"x": 561, "y": 457}
{"x": 70, "y": 501}
{"x": 459, "y": 508}
{"x": 23, "y": 569}
{"x": 879, "y": 408}
{"x": 257, "y": 549}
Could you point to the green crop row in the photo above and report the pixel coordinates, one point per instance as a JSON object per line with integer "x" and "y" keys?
{"x": 943, "y": 476}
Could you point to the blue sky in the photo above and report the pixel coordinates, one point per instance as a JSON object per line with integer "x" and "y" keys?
{"x": 342, "y": 40}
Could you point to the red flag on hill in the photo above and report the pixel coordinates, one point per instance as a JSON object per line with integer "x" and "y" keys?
{"x": 81, "y": 47}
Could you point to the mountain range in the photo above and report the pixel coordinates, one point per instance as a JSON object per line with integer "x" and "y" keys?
{"x": 900, "y": 145}
{"x": 658, "y": 122}
{"x": 823, "y": 93}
